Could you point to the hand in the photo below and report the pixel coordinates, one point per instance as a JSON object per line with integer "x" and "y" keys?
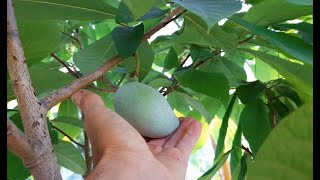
{"x": 120, "y": 152}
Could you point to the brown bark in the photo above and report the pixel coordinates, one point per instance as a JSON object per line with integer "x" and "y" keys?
{"x": 43, "y": 165}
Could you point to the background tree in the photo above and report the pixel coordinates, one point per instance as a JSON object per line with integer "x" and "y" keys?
{"x": 203, "y": 69}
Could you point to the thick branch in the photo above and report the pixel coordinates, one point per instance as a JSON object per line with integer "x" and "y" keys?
{"x": 65, "y": 92}
{"x": 19, "y": 143}
{"x": 32, "y": 114}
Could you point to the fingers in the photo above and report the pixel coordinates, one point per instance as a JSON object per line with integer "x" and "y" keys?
{"x": 176, "y": 136}
{"x": 104, "y": 127}
{"x": 188, "y": 141}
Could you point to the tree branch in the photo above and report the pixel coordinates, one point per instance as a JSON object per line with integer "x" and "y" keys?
{"x": 65, "y": 92}
{"x": 19, "y": 143}
{"x": 77, "y": 76}
{"x": 87, "y": 154}
{"x": 33, "y": 115}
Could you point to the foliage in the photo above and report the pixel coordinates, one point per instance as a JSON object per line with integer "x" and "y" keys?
{"x": 199, "y": 68}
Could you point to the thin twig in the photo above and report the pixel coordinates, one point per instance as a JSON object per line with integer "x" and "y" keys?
{"x": 74, "y": 38}
{"x": 245, "y": 40}
{"x": 184, "y": 61}
{"x": 65, "y": 92}
{"x": 246, "y": 149}
{"x": 87, "y": 154}
{"x": 273, "y": 121}
{"x": 64, "y": 65}
{"x": 70, "y": 138}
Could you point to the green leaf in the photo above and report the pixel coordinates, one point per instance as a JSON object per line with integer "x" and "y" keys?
{"x": 70, "y": 157}
{"x": 160, "y": 82}
{"x": 177, "y": 102}
{"x": 195, "y": 32}
{"x": 54, "y": 136}
{"x": 195, "y": 104}
{"x": 265, "y": 13}
{"x": 287, "y": 91}
{"x": 42, "y": 81}
{"x": 235, "y": 156}
{"x": 200, "y": 53}
{"x": 299, "y": 75}
{"x": 211, "y": 11}
{"x": 171, "y": 59}
{"x": 38, "y": 39}
{"x": 235, "y": 74}
{"x": 211, "y": 84}
{"x": 250, "y": 92}
{"x": 243, "y": 167}
{"x": 301, "y": 2}
{"x": 289, "y": 44}
{"x": 15, "y": 168}
{"x": 95, "y": 55}
{"x": 154, "y": 12}
{"x": 305, "y": 29}
{"x": 224, "y": 127}
{"x": 68, "y": 120}
{"x": 81, "y": 10}
{"x": 131, "y": 10}
{"x": 277, "y": 155}
{"x": 127, "y": 39}
{"x": 255, "y": 124}
{"x": 68, "y": 109}
{"x": 216, "y": 166}
{"x": 146, "y": 57}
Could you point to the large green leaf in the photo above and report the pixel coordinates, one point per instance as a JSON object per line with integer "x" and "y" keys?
{"x": 233, "y": 72}
{"x": 211, "y": 11}
{"x": 275, "y": 11}
{"x": 95, "y": 55}
{"x": 300, "y": 75}
{"x": 195, "y": 32}
{"x": 211, "y": 84}
{"x": 216, "y": 166}
{"x": 81, "y": 10}
{"x": 224, "y": 127}
{"x": 132, "y": 10}
{"x": 38, "y": 39}
{"x": 255, "y": 124}
{"x": 127, "y": 39}
{"x": 15, "y": 168}
{"x": 70, "y": 157}
{"x": 289, "y": 44}
{"x": 289, "y": 149}
{"x": 146, "y": 57}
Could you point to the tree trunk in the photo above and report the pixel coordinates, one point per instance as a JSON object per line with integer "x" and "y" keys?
{"x": 42, "y": 163}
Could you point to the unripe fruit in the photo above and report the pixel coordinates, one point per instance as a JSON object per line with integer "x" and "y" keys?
{"x": 145, "y": 109}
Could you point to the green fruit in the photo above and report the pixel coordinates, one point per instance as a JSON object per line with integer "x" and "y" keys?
{"x": 145, "y": 109}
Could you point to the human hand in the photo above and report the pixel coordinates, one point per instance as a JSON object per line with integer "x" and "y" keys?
{"x": 120, "y": 152}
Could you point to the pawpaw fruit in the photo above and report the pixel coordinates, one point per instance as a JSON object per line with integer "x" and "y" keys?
{"x": 145, "y": 109}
